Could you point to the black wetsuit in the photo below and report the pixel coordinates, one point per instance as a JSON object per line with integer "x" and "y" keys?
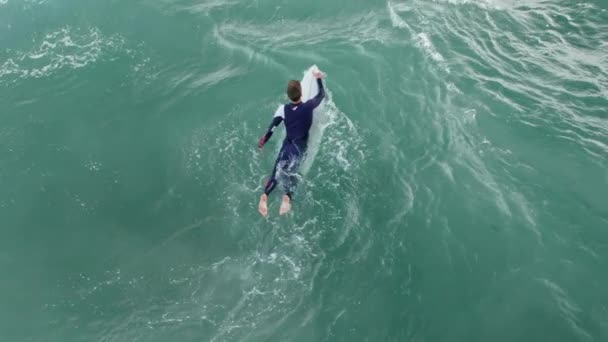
{"x": 298, "y": 119}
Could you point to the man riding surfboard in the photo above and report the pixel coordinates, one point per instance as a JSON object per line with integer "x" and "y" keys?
{"x": 297, "y": 116}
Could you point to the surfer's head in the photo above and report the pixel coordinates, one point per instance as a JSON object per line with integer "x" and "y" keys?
{"x": 294, "y": 90}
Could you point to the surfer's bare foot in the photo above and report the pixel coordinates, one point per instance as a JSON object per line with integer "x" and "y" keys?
{"x": 285, "y": 205}
{"x": 263, "y": 206}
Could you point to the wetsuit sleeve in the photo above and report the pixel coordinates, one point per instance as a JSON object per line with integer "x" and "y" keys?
{"x": 276, "y": 120}
{"x": 316, "y": 101}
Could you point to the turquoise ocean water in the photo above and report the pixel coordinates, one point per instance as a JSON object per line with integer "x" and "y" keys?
{"x": 458, "y": 193}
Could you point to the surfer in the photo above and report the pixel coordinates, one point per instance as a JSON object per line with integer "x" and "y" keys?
{"x": 298, "y": 119}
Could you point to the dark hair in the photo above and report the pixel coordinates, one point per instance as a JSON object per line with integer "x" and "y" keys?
{"x": 294, "y": 90}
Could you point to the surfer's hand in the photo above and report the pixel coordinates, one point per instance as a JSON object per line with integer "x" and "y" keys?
{"x": 264, "y": 139}
{"x": 318, "y": 74}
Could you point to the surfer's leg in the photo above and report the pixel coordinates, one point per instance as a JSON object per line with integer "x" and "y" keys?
{"x": 291, "y": 181}
{"x": 291, "y": 172}
{"x": 271, "y": 183}
{"x": 290, "y": 178}
{"x": 289, "y": 185}
{"x": 285, "y": 205}
{"x": 263, "y": 205}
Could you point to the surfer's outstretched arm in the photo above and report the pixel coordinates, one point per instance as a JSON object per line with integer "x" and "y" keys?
{"x": 316, "y": 101}
{"x": 276, "y": 120}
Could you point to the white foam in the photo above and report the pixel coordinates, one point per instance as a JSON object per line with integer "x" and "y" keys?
{"x": 277, "y": 34}
{"x": 215, "y": 77}
{"x": 447, "y": 170}
{"x": 425, "y": 43}
{"x": 422, "y": 39}
{"x": 569, "y": 310}
{"x": 485, "y": 4}
{"x": 33, "y": 2}
{"x": 64, "y": 48}
{"x": 251, "y": 53}
{"x": 207, "y": 6}
{"x": 395, "y": 18}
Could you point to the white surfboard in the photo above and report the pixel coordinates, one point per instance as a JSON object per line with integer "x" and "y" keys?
{"x": 320, "y": 118}
{"x": 309, "y": 84}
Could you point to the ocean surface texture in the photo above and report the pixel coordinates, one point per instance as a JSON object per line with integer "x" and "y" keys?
{"x": 456, "y": 189}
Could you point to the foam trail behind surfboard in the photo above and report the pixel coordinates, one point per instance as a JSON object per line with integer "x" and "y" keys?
{"x": 319, "y": 122}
